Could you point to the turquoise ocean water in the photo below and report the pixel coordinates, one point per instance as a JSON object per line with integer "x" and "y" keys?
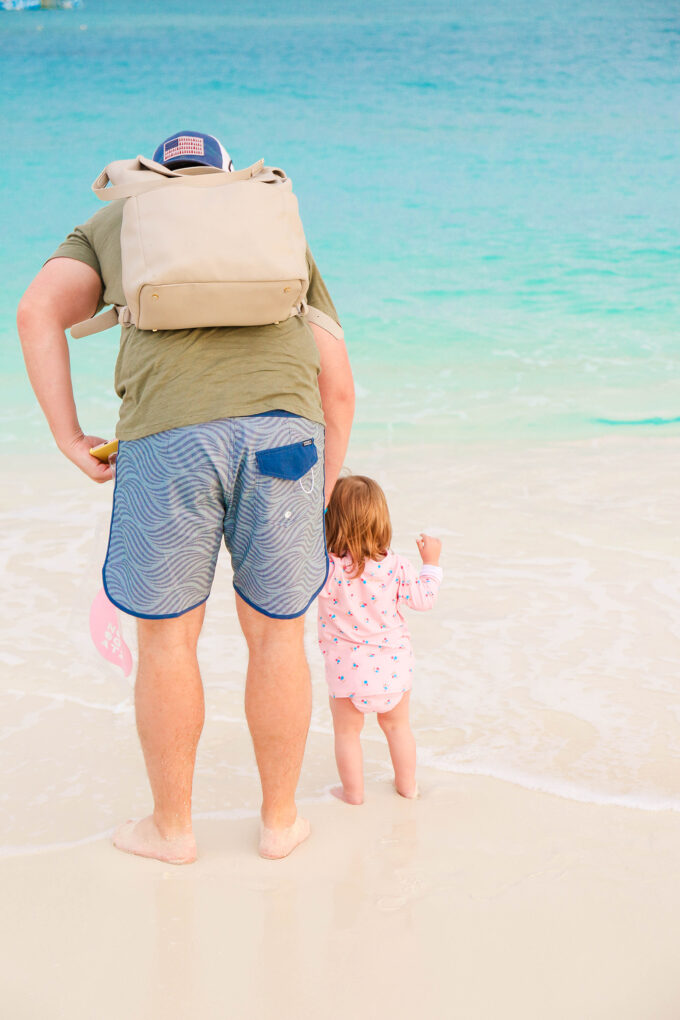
{"x": 489, "y": 188}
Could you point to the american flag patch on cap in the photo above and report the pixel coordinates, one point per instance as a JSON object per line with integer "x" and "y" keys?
{"x": 184, "y": 145}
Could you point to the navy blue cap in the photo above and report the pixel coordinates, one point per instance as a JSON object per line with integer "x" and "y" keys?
{"x": 192, "y": 148}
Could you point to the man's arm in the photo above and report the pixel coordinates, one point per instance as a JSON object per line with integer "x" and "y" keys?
{"x": 64, "y": 291}
{"x": 337, "y": 399}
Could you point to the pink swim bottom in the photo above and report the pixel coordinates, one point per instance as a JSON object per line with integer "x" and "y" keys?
{"x": 378, "y": 702}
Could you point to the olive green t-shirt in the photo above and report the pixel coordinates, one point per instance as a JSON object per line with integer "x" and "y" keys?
{"x": 167, "y": 379}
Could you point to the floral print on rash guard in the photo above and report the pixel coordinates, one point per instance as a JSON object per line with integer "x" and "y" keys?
{"x": 362, "y": 632}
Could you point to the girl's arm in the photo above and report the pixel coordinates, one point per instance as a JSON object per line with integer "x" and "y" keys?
{"x": 419, "y": 591}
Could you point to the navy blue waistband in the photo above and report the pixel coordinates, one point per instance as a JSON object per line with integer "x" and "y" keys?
{"x": 275, "y": 414}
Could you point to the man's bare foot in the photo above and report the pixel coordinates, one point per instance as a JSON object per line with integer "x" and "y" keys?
{"x": 409, "y": 793}
{"x": 339, "y": 792}
{"x": 144, "y": 839}
{"x": 277, "y": 843}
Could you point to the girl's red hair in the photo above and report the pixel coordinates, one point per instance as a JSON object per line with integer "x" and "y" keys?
{"x": 358, "y": 522}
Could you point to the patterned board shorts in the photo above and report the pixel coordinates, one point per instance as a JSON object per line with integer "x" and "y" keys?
{"x": 258, "y": 481}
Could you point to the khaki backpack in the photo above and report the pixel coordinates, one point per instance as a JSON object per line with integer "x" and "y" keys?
{"x": 204, "y": 247}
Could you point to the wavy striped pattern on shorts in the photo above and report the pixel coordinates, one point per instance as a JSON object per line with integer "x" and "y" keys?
{"x": 179, "y": 493}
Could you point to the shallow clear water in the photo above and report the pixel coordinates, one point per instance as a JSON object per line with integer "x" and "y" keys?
{"x": 489, "y": 189}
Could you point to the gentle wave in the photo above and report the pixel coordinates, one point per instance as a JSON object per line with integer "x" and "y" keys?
{"x": 637, "y": 421}
{"x": 553, "y": 786}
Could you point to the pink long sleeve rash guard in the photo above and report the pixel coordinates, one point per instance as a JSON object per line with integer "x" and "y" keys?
{"x": 362, "y": 632}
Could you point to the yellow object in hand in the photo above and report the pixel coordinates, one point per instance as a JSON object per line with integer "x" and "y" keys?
{"x": 104, "y": 450}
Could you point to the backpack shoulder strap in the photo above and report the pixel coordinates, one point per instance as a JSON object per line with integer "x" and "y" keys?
{"x": 319, "y": 318}
{"x": 98, "y": 323}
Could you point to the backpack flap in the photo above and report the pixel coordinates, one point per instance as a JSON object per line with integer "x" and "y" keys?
{"x": 209, "y": 250}
{"x": 125, "y": 178}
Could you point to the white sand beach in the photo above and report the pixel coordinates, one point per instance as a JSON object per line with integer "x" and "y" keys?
{"x": 481, "y": 900}
{"x": 534, "y": 878}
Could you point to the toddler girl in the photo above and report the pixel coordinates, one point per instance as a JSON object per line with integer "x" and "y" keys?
{"x": 363, "y": 634}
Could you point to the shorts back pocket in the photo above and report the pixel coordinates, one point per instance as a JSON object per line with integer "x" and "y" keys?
{"x": 290, "y": 462}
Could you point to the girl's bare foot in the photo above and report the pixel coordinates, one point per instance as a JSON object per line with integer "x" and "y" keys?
{"x": 278, "y": 843}
{"x": 144, "y": 839}
{"x": 340, "y": 793}
{"x": 410, "y": 793}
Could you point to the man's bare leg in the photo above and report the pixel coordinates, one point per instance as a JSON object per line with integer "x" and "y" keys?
{"x": 278, "y": 708}
{"x": 170, "y": 712}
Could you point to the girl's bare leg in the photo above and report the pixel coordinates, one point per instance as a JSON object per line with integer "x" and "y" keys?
{"x": 348, "y": 722}
{"x": 401, "y": 742}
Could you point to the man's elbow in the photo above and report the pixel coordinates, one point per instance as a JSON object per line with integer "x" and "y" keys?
{"x": 343, "y": 387}
{"x": 338, "y": 409}
{"x": 337, "y": 392}
{"x": 37, "y": 312}
{"x": 343, "y": 401}
{"x": 29, "y": 311}
{"x": 345, "y": 394}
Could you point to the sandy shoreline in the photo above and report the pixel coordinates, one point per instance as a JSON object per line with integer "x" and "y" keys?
{"x": 552, "y": 658}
